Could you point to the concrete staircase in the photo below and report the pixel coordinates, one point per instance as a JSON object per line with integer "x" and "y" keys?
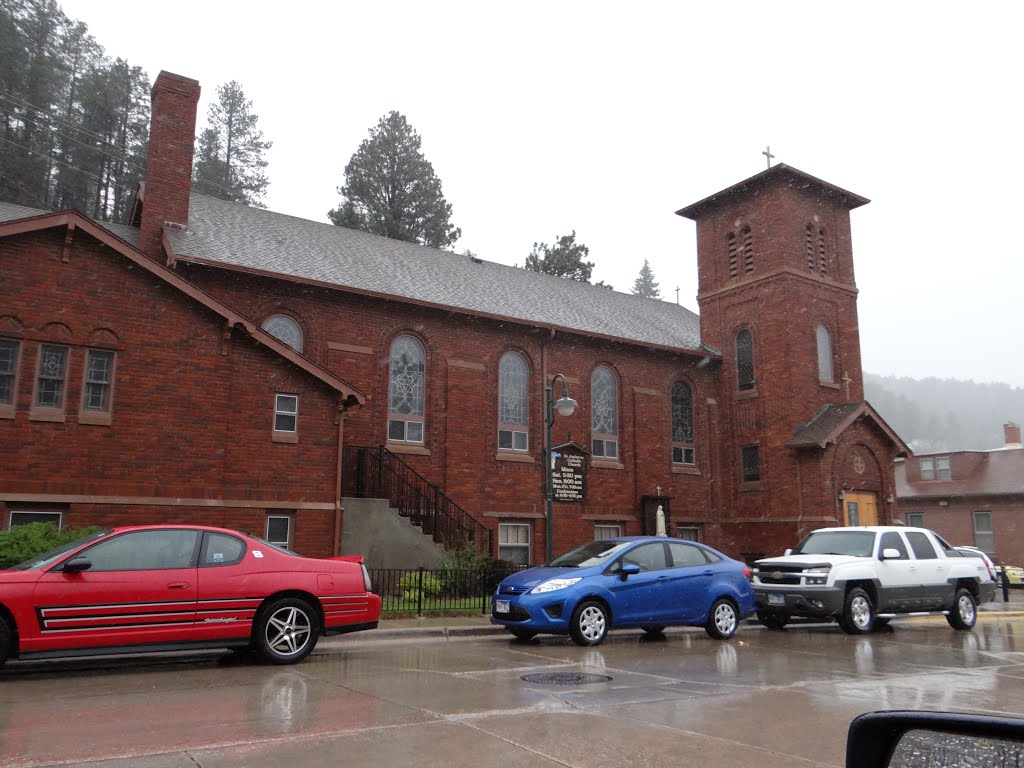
{"x": 374, "y": 529}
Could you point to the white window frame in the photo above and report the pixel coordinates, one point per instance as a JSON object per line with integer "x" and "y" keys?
{"x": 607, "y": 531}
{"x": 688, "y": 532}
{"x": 7, "y": 407}
{"x": 984, "y": 537}
{"x": 511, "y": 436}
{"x": 604, "y": 445}
{"x": 281, "y": 433}
{"x": 523, "y": 530}
{"x": 915, "y": 520}
{"x": 287, "y": 544}
{"x": 823, "y": 338}
{"x": 408, "y": 427}
{"x": 51, "y": 412}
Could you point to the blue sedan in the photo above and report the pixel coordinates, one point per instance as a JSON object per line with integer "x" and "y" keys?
{"x": 648, "y": 582}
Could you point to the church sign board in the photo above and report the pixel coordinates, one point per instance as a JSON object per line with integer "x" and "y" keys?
{"x": 568, "y": 474}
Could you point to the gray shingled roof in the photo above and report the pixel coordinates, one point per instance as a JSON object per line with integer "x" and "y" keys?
{"x": 237, "y": 236}
{"x": 10, "y": 212}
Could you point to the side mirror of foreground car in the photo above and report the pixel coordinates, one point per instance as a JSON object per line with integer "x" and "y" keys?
{"x": 77, "y": 565}
{"x": 903, "y": 739}
{"x": 629, "y": 570}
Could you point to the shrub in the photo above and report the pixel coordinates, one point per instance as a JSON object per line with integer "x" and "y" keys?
{"x": 411, "y": 586}
{"x": 26, "y": 541}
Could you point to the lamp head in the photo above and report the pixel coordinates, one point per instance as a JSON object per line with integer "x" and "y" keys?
{"x": 565, "y": 405}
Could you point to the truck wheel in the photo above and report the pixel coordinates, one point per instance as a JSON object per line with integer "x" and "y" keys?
{"x": 772, "y": 620}
{"x": 858, "y": 614}
{"x": 964, "y": 614}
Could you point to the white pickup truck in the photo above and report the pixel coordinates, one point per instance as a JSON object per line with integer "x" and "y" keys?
{"x": 862, "y": 577}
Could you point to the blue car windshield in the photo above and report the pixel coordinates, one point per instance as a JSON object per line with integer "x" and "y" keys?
{"x": 856, "y": 543}
{"x": 590, "y": 554}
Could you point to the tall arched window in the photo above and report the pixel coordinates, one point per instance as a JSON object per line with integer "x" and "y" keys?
{"x": 406, "y": 391}
{"x": 513, "y": 421}
{"x": 285, "y": 329}
{"x": 604, "y": 416}
{"x": 745, "y": 359}
{"x": 824, "y": 354}
{"x": 682, "y": 424}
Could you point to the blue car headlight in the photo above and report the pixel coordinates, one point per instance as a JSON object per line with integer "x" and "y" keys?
{"x": 552, "y": 584}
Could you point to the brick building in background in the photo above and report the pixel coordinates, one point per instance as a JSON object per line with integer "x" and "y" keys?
{"x": 970, "y": 497}
{"x": 248, "y": 362}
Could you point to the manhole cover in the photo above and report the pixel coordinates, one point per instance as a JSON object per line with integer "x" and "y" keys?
{"x": 565, "y": 678}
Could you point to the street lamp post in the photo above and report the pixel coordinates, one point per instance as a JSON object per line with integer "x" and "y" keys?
{"x": 565, "y": 406}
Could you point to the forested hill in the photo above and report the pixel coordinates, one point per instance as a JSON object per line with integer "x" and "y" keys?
{"x": 934, "y": 415}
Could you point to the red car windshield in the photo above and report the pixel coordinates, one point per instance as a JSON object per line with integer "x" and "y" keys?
{"x": 45, "y": 559}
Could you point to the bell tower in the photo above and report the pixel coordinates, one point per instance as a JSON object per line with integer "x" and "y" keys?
{"x": 778, "y": 299}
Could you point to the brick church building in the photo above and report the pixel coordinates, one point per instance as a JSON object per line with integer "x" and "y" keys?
{"x": 216, "y": 363}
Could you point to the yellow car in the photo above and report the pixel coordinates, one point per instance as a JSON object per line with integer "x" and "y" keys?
{"x": 1014, "y": 575}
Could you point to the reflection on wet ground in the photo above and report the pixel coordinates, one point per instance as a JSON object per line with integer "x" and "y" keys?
{"x": 680, "y": 701}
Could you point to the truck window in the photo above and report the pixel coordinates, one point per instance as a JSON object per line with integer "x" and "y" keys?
{"x": 892, "y": 540}
{"x": 922, "y": 545}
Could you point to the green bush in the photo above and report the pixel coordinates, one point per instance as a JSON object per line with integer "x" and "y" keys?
{"x": 26, "y": 541}
{"x": 411, "y": 586}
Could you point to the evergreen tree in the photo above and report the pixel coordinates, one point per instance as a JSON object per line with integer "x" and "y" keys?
{"x": 229, "y": 160}
{"x": 74, "y": 126}
{"x": 566, "y": 258}
{"x": 645, "y": 285}
{"x": 391, "y": 189}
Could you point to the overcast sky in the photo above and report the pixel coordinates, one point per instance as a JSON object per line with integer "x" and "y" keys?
{"x": 545, "y": 117}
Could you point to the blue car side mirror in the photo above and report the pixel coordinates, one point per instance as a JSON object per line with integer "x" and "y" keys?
{"x": 628, "y": 570}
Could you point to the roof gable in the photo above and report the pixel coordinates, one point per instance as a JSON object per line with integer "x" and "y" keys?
{"x": 74, "y": 221}
{"x": 830, "y": 421}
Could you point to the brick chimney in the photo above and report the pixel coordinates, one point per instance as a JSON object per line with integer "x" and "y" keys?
{"x": 1011, "y": 432}
{"x": 172, "y": 133}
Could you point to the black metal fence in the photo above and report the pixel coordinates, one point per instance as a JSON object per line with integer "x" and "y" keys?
{"x": 438, "y": 590}
{"x": 378, "y": 474}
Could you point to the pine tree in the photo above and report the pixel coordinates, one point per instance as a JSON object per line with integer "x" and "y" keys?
{"x": 645, "y": 285}
{"x": 566, "y": 258}
{"x": 229, "y": 160}
{"x": 391, "y": 189}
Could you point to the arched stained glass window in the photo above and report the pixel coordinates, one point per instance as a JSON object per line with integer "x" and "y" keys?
{"x": 604, "y": 416}
{"x": 824, "y": 354}
{"x": 285, "y": 329}
{"x": 406, "y": 387}
{"x": 513, "y": 420}
{"x": 682, "y": 424}
{"x": 745, "y": 359}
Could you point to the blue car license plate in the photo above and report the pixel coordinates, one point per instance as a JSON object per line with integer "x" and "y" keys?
{"x": 501, "y": 606}
{"x": 776, "y": 598}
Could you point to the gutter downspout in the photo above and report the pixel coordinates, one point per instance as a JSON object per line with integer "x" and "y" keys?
{"x": 336, "y": 547}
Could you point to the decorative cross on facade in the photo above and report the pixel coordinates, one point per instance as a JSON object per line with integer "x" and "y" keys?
{"x": 846, "y": 383}
{"x": 768, "y": 154}
{"x": 657, "y": 490}
{"x": 677, "y": 294}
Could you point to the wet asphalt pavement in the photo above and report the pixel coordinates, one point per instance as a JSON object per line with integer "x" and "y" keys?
{"x": 451, "y": 692}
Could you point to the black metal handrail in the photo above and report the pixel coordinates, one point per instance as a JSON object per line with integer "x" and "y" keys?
{"x": 376, "y": 473}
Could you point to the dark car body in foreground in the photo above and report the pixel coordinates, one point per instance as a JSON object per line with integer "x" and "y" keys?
{"x": 170, "y": 587}
{"x": 648, "y": 582}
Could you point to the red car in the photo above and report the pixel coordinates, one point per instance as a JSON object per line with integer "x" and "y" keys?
{"x": 176, "y": 587}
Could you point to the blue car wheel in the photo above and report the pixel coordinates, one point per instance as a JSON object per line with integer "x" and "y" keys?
{"x": 722, "y": 619}
{"x": 589, "y": 624}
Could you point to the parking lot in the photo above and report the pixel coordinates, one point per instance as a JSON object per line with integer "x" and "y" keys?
{"x": 462, "y": 700}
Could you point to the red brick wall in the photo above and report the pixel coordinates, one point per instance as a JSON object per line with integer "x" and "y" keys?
{"x": 192, "y": 404}
{"x": 462, "y": 355}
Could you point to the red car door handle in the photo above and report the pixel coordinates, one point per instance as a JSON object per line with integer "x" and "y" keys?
{"x": 178, "y": 585}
